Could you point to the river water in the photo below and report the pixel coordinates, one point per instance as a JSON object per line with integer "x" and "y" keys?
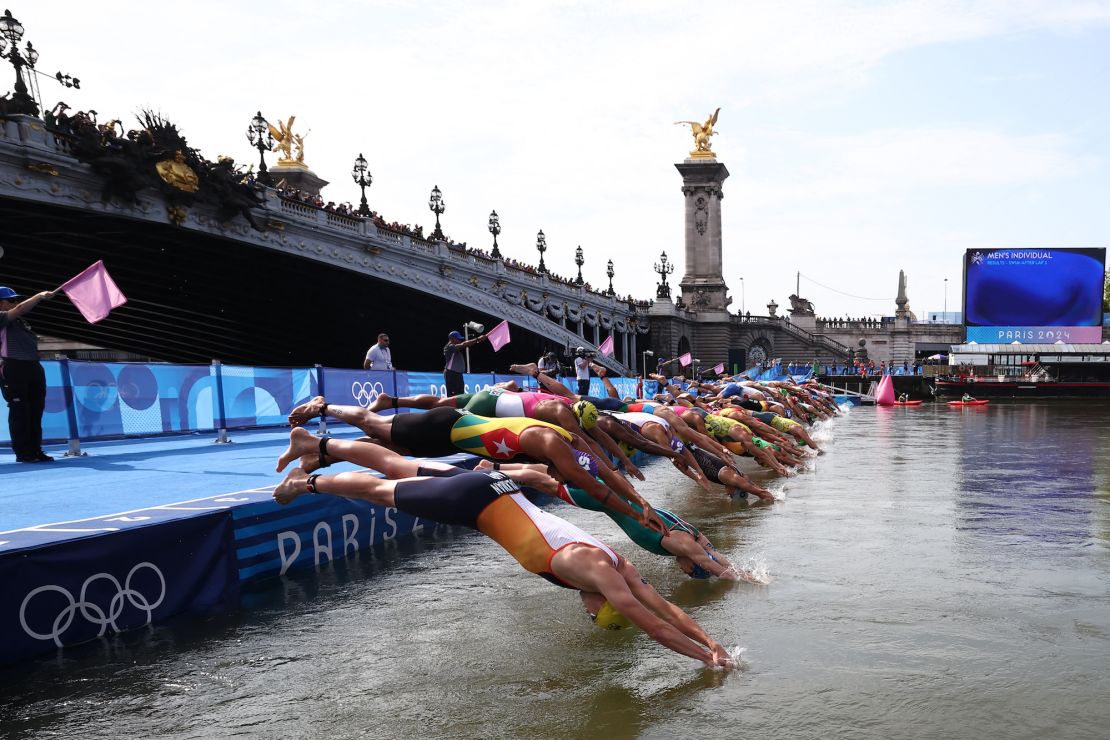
{"x": 939, "y": 573}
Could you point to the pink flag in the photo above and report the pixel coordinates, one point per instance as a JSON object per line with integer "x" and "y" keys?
{"x": 499, "y": 336}
{"x": 94, "y": 292}
{"x": 606, "y": 347}
{"x": 686, "y": 359}
{"x": 719, "y": 368}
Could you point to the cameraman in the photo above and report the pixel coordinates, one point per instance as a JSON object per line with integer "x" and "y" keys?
{"x": 582, "y": 369}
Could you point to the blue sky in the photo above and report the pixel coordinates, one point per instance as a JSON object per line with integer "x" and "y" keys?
{"x": 862, "y": 137}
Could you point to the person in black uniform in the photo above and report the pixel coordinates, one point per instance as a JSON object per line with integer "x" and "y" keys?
{"x": 22, "y": 379}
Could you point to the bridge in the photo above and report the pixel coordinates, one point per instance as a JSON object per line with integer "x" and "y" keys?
{"x": 306, "y": 286}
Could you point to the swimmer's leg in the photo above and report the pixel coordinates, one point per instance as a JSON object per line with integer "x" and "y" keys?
{"x": 349, "y": 485}
{"x": 385, "y": 401}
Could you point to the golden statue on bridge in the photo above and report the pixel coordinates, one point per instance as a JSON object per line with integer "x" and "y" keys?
{"x": 703, "y": 148}
{"x": 285, "y": 140}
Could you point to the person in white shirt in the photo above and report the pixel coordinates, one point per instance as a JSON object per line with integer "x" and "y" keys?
{"x": 582, "y": 371}
{"x": 378, "y": 357}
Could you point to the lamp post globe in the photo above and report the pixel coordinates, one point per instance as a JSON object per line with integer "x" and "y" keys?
{"x": 495, "y": 229}
{"x": 258, "y": 134}
{"x": 11, "y": 31}
{"x": 437, "y": 206}
{"x": 579, "y": 260}
{"x": 541, "y": 247}
{"x": 362, "y": 177}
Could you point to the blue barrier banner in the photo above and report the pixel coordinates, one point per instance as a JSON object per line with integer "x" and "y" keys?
{"x": 264, "y": 396}
{"x": 55, "y": 428}
{"x": 118, "y": 399}
{"x": 81, "y": 589}
{"x": 419, "y": 383}
{"x": 271, "y": 539}
{"x": 359, "y": 387}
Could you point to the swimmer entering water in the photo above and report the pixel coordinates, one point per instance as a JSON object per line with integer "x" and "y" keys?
{"x": 491, "y": 502}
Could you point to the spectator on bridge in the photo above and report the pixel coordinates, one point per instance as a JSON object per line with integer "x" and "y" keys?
{"x": 454, "y": 364}
{"x": 378, "y": 357}
{"x": 22, "y": 379}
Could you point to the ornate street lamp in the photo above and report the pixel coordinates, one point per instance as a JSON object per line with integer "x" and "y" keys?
{"x": 578, "y": 260}
{"x": 610, "y": 273}
{"x": 258, "y": 134}
{"x": 495, "y": 229}
{"x": 362, "y": 177}
{"x": 437, "y": 206}
{"x": 663, "y": 269}
{"x": 541, "y": 247}
{"x": 11, "y": 31}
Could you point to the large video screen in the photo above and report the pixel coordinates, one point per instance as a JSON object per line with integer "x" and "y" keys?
{"x": 1033, "y": 296}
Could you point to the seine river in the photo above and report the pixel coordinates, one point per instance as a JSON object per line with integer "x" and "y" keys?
{"x": 940, "y": 573}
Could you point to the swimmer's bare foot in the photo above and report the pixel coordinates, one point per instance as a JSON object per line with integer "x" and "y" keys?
{"x": 307, "y": 411}
{"x": 310, "y": 462}
{"x": 484, "y": 465}
{"x": 301, "y": 442}
{"x": 530, "y": 368}
{"x": 294, "y": 485}
{"x": 383, "y": 401}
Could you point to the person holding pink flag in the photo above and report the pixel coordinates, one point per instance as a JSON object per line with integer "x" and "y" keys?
{"x": 454, "y": 364}
{"x": 22, "y": 379}
{"x": 94, "y": 293}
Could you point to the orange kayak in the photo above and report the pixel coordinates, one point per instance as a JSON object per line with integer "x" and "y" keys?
{"x": 978, "y": 402}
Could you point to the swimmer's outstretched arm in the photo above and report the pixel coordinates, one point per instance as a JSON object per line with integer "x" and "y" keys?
{"x": 606, "y": 442}
{"x": 628, "y": 593}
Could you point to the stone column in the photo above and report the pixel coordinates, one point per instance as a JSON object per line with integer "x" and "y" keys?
{"x": 703, "y": 285}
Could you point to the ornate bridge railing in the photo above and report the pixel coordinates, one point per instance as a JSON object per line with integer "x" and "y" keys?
{"x": 36, "y": 165}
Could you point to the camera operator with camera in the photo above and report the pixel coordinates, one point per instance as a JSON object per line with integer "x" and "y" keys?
{"x": 582, "y": 369}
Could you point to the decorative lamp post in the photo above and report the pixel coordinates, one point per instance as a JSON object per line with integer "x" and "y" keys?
{"x": 946, "y": 300}
{"x": 258, "y": 134}
{"x": 362, "y": 177}
{"x": 495, "y": 229}
{"x": 541, "y": 247}
{"x": 646, "y": 353}
{"x": 437, "y": 206}
{"x": 663, "y": 268}
{"x": 610, "y": 273}
{"x": 578, "y": 260}
{"x": 11, "y": 31}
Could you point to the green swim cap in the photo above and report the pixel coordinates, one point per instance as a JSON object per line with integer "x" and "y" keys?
{"x": 609, "y": 618}
{"x": 586, "y": 413}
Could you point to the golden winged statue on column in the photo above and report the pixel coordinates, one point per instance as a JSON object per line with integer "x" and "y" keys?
{"x": 702, "y": 132}
{"x": 283, "y": 139}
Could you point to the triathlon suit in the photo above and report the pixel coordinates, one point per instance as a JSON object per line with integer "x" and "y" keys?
{"x": 709, "y": 463}
{"x": 646, "y": 538}
{"x": 637, "y": 420}
{"x": 496, "y": 438}
{"x": 730, "y": 390}
{"x": 498, "y": 402}
{"x": 446, "y": 431}
{"x": 645, "y": 408}
{"x": 492, "y": 503}
{"x": 780, "y": 423}
{"x": 606, "y": 404}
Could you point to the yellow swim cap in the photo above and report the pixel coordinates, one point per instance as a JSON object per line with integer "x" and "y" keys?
{"x": 609, "y": 618}
{"x": 586, "y": 413}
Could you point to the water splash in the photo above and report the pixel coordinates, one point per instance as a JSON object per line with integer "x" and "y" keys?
{"x": 753, "y": 570}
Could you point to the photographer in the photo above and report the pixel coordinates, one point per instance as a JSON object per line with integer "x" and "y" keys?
{"x": 582, "y": 369}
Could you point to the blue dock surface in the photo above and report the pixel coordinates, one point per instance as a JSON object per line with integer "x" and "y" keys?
{"x": 138, "y": 531}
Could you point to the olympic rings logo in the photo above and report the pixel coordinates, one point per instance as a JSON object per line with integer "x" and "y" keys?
{"x": 92, "y": 611}
{"x": 366, "y": 393}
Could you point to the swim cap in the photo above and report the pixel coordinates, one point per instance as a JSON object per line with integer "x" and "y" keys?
{"x": 586, "y": 413}
{"x": 627, "y": 448}
{"x": 609, "y": 618}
